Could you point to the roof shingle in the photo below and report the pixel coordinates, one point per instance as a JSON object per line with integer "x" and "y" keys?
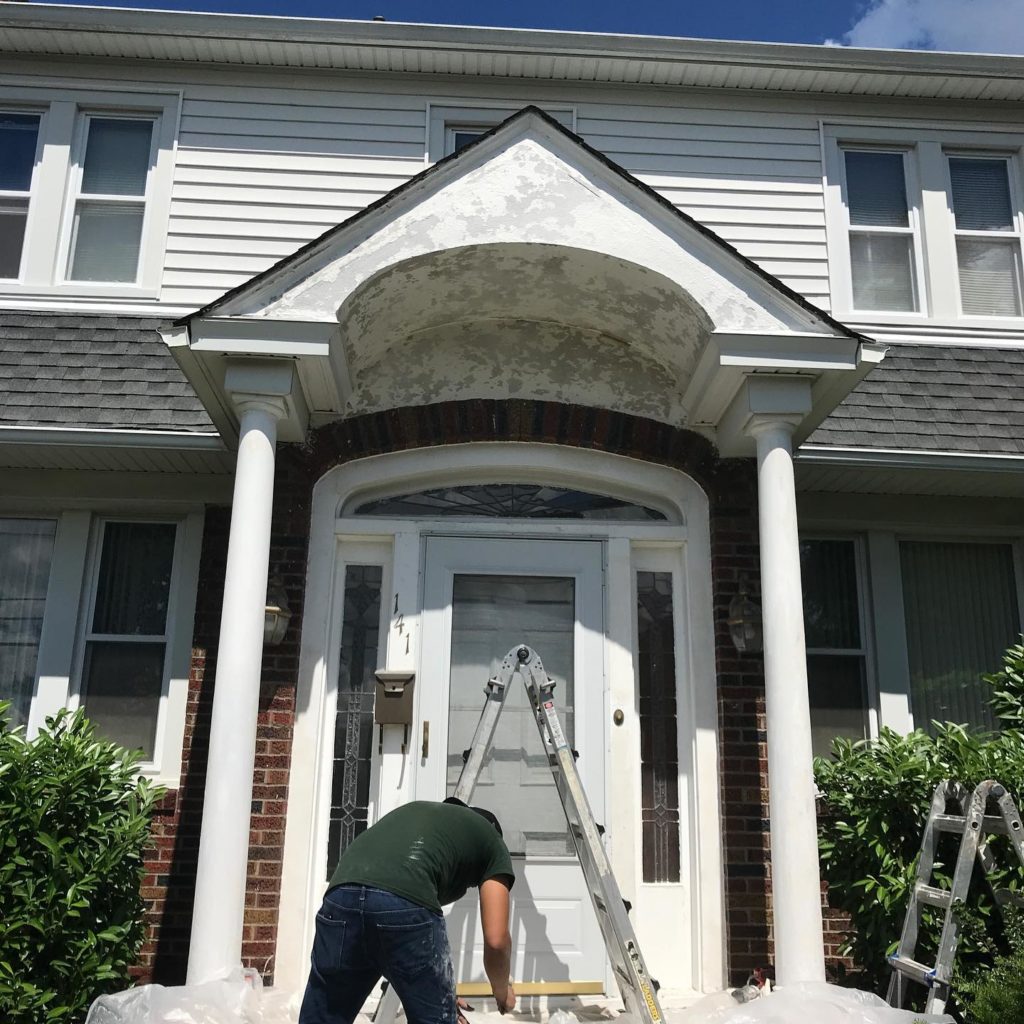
{"x": 92, "y": 372}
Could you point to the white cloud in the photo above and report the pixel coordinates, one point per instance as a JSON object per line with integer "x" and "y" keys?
{"x": 980, "y": 26}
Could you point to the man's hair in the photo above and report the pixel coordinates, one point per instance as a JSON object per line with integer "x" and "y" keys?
{"x": 482, "y": 811}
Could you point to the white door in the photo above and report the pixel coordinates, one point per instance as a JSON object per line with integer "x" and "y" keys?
{"x": 482, "y": 597}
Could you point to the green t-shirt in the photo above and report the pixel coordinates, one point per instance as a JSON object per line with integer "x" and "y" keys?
{"x": 429, "y": 853}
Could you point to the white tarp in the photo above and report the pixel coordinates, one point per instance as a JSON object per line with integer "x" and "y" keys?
{"x": 242, "y": 1000}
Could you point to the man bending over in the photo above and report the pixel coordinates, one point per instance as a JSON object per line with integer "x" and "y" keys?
{"x": 382, "y": 914}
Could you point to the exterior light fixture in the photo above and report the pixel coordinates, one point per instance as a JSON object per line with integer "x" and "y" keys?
{"x": 278, "y": 614}
{"x": 745, "y": 621}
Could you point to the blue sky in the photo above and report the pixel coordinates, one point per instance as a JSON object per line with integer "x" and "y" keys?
{"x": 994, "y": 26}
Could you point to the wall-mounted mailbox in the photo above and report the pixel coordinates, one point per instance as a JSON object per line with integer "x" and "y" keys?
{"x": 393, "y": 702}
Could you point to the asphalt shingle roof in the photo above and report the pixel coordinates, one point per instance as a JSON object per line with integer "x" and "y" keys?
{"x": 930, "y": 398}
{"x": 92, "y": 372}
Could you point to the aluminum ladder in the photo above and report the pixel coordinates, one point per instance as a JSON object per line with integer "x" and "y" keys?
{"x": 974, "y": 825}
{"x": 638, "y": 989}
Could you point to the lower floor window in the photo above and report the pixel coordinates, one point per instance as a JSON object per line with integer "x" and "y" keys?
{"x": 96, "y": 612}
{"x": 26, "y": 548}
{"x": 960, "y": 605}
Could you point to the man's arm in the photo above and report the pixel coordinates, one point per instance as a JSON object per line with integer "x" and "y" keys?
{"x": 494, "y": 907}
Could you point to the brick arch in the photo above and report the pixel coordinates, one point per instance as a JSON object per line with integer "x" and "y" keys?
{"x": 731, "y": 488}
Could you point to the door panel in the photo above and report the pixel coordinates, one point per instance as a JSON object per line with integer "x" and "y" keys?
{"x": 481, "y": 598}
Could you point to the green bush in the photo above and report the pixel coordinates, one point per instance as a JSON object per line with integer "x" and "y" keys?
{"x": 996, "y": 996}
{"x": 877, "y": 799}
{"x": 74, "y": 824}
{"x": 1007, "y": 697}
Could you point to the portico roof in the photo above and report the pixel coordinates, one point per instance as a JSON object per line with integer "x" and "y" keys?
{"x": 526, "y": 264}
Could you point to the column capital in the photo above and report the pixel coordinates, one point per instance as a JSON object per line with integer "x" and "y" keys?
{"x": 761, "y": 422}
{"x": 269, "y": 386}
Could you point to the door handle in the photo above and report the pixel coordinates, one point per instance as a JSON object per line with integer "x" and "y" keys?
{"x": 425, "y": 751}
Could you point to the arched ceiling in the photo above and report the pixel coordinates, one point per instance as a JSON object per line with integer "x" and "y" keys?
{"x": 499, "y": 320}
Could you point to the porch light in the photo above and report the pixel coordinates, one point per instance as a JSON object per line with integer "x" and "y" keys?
{"x": 745, "y": 621}
{"x": 278, "y": 614}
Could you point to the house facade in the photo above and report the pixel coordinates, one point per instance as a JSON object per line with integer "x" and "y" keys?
{"x": 333, "y": 349}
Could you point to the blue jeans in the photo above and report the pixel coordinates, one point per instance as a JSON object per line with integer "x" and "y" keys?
{"x": 363, "y": 933}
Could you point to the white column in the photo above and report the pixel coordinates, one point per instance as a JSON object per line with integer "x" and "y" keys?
{"x": 796, "y": 887}
{"x": 216, "y": 943}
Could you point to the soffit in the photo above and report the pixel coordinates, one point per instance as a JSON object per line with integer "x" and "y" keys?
{"x": 219, "y": 39}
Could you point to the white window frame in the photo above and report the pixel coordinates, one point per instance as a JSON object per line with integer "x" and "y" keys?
{"x": 866, "y": 651}
{"x": 75, "y": 195}
{"x": 1017, "y": 232}
{"x": 70, "y": 596}
{"x": 927, "y": 148}
{"x": 444, "y": 120}
{"x": 44, "y": 268}
{"x": 40, "y": 112}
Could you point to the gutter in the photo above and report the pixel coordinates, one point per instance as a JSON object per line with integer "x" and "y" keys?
{"x": 908, "y": 458}
{"x": 113, "y": 438}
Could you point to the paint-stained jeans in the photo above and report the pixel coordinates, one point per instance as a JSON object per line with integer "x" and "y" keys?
{"x": 363, "y": 933}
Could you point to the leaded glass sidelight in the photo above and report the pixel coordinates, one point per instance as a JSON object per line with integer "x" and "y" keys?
{"x": 508, "y": 501}
{"x": 353, "y": 730}
{"x": 659, "y": 748}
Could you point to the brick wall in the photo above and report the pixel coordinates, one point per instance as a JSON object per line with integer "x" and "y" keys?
{"x": 731, "y": 487}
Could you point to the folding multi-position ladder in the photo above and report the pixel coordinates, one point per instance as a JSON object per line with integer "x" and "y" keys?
{"x": 974, "y": 825}
{"x": 637, "y": 987}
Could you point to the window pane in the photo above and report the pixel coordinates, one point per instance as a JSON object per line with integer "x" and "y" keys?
{"x": 13, "y": 215}
{"x": 106, "y": 242}
{"x": 981, "y": 194}
{"x": 117, "y": 157}
{"x": 122, "y": 683}
{"x": 462, "y": 137}
{"x": 960, "y": 602}
{"x": 135, "y": 579}
{"x": 989, "y": 276}
{"x": 659, "y": 748}
{"x": 876, "y": 189}
{"x": 838, "y": 699}
{"x": 26, "y": 547}
{"x": 353, "y": 730}
{"x": 489, "y": 615}
{"x": 883, "y": 272}
{"x": 18, "y": 135}
{"x": 510, "y": 501}
{"x": 831, "y": 613}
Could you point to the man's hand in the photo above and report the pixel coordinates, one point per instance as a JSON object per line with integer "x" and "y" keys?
{"x": 509, "y": 1002}
{"x": 460, "y": 1005}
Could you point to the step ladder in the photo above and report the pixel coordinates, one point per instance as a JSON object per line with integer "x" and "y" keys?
{"x": 971, "y": 821}
{"x": 638, "y": 989}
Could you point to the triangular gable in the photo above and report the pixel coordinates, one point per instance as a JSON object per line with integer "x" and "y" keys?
{"x": 527, "y": 181}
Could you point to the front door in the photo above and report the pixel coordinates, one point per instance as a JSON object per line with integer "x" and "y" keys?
{"x": 481, "y": 597}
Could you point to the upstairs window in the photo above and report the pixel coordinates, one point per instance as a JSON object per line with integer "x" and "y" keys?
{"x": 987, "y": 236}
{"x": 924, "y": 223}
{"x": 882, "y": 245}
{"x": 110, "y": 199}
{"x": 85, "y": 185}
{"x": 19, "y": 139}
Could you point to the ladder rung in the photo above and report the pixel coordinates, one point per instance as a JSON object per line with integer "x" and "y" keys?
{"x": 919, "y": 972}
{"x": 995, "y": 823}
{"x": 934, "y": 897}
{"x": 949, "y": 822}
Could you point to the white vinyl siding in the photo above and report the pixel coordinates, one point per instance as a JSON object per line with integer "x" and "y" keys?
{"x": 261, "y": 172}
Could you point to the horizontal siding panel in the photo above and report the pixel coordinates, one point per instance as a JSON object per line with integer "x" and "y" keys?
{"x": 204, "y": 227}
{"x": 233, "y": 127}
{"x": 413, "y": 116}
{"x": 754, "y": 134}
{"x": 705, "y": 148}
{"x": 223, "y": 263}
{"x": 265, "y": 214}
{"x": 660, "y": 114}
{"x": 332, "y": 198}
{"x": 280, "y": 144}
{"x": 682, "y": 195}
{"x": 241, "y": 160}
{"x": 274, "y": 248}
{"x": 746, "y": 168}
{"x": 249, "y": 178}
{"x": 742, "y": 215}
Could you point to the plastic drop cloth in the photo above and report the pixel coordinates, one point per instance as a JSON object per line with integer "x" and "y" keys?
{"x": 239, "y": 999}
{"x": 805, "y": 1003}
